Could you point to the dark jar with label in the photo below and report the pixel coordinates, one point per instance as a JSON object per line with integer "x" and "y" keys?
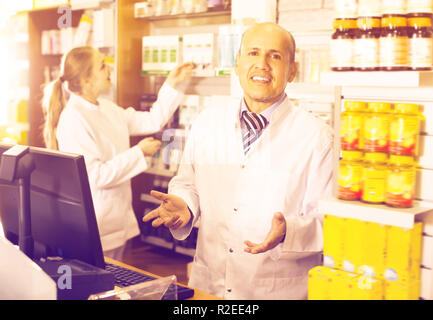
{"x": 366, "y": 44}
{"x": 342, "y": 44}
{"x": 420, "y": 35}
{"x": 394, "y": 43}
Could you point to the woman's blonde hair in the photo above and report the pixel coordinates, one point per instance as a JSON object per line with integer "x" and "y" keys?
{"x": 76, "y": 66}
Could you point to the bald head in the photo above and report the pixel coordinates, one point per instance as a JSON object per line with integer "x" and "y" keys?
{"x": 273, "y": 29}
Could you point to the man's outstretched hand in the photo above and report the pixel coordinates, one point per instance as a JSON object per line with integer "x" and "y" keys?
{"x": 273, "y": 238}
{"x": 172, "y": 213}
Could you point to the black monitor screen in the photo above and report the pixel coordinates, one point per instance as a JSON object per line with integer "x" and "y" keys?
{"x": 63, "y": 219}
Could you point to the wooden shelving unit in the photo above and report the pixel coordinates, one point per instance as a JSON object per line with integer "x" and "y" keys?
{"x": 40, "y": 20}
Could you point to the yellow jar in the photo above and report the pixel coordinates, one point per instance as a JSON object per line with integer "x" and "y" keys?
{"x": 404, "y": 129}
{"x": 400, "y": 183}
{"x": 374, "y": 177}
{"x": 376, "y": 127}
{"x": 351, "y": 125}
{"x": 350, "y": 176}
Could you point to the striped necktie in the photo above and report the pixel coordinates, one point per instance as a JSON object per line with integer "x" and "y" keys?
{"x": 255, "y": 123}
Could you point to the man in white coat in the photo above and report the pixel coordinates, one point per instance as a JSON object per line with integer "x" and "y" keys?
{"x": 253, "y": 172}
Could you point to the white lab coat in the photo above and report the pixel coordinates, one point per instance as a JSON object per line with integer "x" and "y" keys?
{"x": 101, "y": 133}
{"x": 235, "y": 196}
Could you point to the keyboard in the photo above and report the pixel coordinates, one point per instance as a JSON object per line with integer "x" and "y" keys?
{"x": 125, "y": 277}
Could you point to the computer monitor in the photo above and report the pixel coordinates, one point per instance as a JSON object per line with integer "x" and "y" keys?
{"x": 63, "y": 220}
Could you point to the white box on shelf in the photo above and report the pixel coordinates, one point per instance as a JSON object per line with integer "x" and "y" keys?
{"x": 427, "y": 252}
{"x": 199, "y": 48}
{"x": 378, "y": 213}
{"x": 103, "y": 30}
{"x": 426, "y": 284}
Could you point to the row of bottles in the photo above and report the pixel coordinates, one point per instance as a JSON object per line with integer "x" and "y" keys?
{"x": 388, "y": 135}
{"x": 374, "y": 178}
{"x": 391, "y": 39}
{"x": 381, "y": 127}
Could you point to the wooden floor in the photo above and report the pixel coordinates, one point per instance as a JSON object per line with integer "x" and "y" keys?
{"x": 156, "y": 260}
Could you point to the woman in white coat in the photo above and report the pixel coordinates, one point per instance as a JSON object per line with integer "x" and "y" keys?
{"x": 255, "y": 191}
{"x": 100, "y": 130}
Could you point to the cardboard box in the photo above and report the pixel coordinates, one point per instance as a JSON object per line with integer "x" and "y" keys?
{"x": 402, "y": 263}
{"x": 333, "y": 241}
{"x": 398, "y": 290}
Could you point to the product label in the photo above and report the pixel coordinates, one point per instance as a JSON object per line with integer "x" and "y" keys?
{"x": 350, "y": 132}
{"x": 394, "y": 52}
{"x": 374, "y": 190}
{"x": 366, "y": 53}
{"x": 341, "y": 53}
{"x": 400, "y": 187}
{"x": 349, "y": 182}
{"x": 146, "y": 55}
{"x": 421, "y": 52}
{"x": 404, "y": 136}
{"x": 155, "y": 56}
{"x": 376, "y": 132}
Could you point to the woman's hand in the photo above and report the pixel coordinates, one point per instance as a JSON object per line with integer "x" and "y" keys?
{"x": 149, "y": 146}
{"x": 180, "y": 73}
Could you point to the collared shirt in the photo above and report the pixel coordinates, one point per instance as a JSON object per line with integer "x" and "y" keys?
{"x": 267, "y": 113}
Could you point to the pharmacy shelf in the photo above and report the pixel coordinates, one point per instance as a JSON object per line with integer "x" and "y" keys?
{"x": 400, "y": 79}
{"x": 400, "y": 217}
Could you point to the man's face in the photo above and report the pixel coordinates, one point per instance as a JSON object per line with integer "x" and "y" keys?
{"x": 263, "y": 65}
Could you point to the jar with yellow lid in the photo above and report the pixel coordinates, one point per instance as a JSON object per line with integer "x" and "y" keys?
{"x": 404, "y": 129}
{"x": 352, "y": 124}
{"x": 400, "y": 183}
{"x": 374, "y": 177}
{"x": 376, "y": 127}
{"x": 420, "y": 41}
{"x": 366, "y": 44}
{"x": 342, "y": 44}
{"x": 394, "y": 43}
{"x": 350, "y": 175}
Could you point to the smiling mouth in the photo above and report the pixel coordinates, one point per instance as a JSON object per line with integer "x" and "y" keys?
{"x": 261, "y": 79}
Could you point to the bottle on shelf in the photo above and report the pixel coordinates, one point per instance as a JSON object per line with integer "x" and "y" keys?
{"x": 342, "y": 44}
{"x": 394, "y": 43}
{"x": 420, "y": 35}
{"x": 374, "y": 175}
{"x": 366, "y": 44}
{"x": 350, "y": 176}
{"x": 376, "y": 127}
{"x": 352, "y": 124}
{"x": 400, "y": 182}
{"x": 404, "y": 129}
